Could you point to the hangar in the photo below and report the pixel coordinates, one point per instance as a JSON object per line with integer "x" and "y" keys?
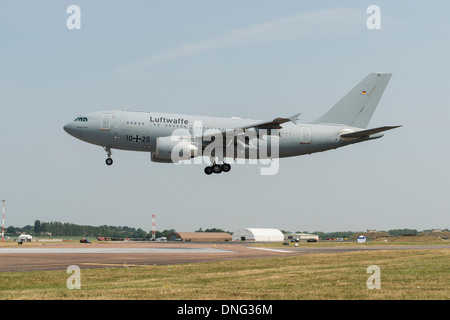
{"x": 258, "y": 234}
{"x": 199, "y": 236}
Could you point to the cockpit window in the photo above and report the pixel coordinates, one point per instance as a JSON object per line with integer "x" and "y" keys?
{"x": 82, "y": 119}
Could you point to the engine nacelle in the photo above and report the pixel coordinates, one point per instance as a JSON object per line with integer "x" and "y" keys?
{"x": 173, "y": 149}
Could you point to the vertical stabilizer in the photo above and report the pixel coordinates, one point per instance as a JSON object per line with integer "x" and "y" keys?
{"x": 357, "y": 107}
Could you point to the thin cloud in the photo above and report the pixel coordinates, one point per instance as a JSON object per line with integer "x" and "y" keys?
{"x": 305, "y": 25}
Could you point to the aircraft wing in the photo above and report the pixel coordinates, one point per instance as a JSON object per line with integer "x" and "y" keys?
{"x": 229, "y": 135}
{"x": 366, "y": 133}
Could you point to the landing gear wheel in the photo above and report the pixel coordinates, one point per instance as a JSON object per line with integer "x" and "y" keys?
{"x": 208, "y": 170}
{"x": 217, "y": 168}
{"x": 108, "y": 161}
{"x": 226, "y": 167}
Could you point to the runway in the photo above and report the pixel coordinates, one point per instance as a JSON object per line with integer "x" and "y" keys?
{"x": 111, "y": 250}
{"x": 58, "y": 256}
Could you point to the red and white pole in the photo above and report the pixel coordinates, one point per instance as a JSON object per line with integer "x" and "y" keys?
{"x": 153, "y": 227}
{"x": 3, "y": 222}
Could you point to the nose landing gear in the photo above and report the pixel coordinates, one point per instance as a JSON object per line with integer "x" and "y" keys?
{"x": 108, "y": 161}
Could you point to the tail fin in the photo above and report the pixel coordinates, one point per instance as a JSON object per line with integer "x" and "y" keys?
{"x": 357, "y": 107}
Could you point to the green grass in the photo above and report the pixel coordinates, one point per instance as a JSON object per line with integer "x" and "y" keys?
{"x": 416, "y": 241}
{"x": 405, "y": 274}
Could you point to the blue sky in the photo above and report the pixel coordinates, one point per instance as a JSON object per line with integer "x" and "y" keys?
{"x": 253, "y": 59}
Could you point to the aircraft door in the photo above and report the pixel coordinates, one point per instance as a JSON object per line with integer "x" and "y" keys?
{"x": 305, "y": 135}
{"x": 106, "y": 122}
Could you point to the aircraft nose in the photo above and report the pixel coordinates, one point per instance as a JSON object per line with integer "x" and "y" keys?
{"x": 68, "y": 128}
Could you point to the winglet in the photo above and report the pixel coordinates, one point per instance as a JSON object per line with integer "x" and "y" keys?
{"x": 294, "y": 118}
{"x": 274, "y": 124}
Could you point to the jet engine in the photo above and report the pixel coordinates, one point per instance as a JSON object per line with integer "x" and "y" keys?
{"x": 173, "y": 149}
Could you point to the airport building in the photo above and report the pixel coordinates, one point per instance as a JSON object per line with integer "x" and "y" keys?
{"x": 258, "y": 234}
{"x": 199, "y": 236}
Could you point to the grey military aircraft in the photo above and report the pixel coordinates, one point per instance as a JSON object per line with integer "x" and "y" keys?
{"x": 172, "y": 138}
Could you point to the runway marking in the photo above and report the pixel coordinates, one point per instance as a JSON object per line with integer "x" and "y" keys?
{"x": 25, "y": 266}
{"x": 267, "y": 249}
{"x": 113, "y": 250}
{"x": 115, "y": 264}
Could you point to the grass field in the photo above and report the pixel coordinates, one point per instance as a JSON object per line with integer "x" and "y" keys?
{"x": 419, "y": 240}
{"x": 405, "y": 274}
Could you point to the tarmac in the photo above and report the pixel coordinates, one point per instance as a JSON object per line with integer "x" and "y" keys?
{"x": 58, "y": 256}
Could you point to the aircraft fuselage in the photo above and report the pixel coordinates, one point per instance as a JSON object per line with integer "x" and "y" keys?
{"x": 137, "y": 131}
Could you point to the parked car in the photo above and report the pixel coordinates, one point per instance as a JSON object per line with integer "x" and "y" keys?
{"x": 311, "y": 240}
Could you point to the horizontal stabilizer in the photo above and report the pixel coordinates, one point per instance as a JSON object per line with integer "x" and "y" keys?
{"x": 365, "y": 133}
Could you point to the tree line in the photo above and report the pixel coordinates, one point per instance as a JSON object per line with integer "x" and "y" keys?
{"x": 60, "y": 229}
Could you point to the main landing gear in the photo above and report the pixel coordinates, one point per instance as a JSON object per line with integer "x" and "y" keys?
{"x": 217, "y": 168}
{"x": 108, "y": 161}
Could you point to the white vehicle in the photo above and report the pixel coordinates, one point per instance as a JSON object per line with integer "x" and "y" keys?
{"x": 24, "y": 238}
{"x": 361, "y": 239}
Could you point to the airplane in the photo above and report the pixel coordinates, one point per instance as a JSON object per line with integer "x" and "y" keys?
{"x": 173, "y": 138}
